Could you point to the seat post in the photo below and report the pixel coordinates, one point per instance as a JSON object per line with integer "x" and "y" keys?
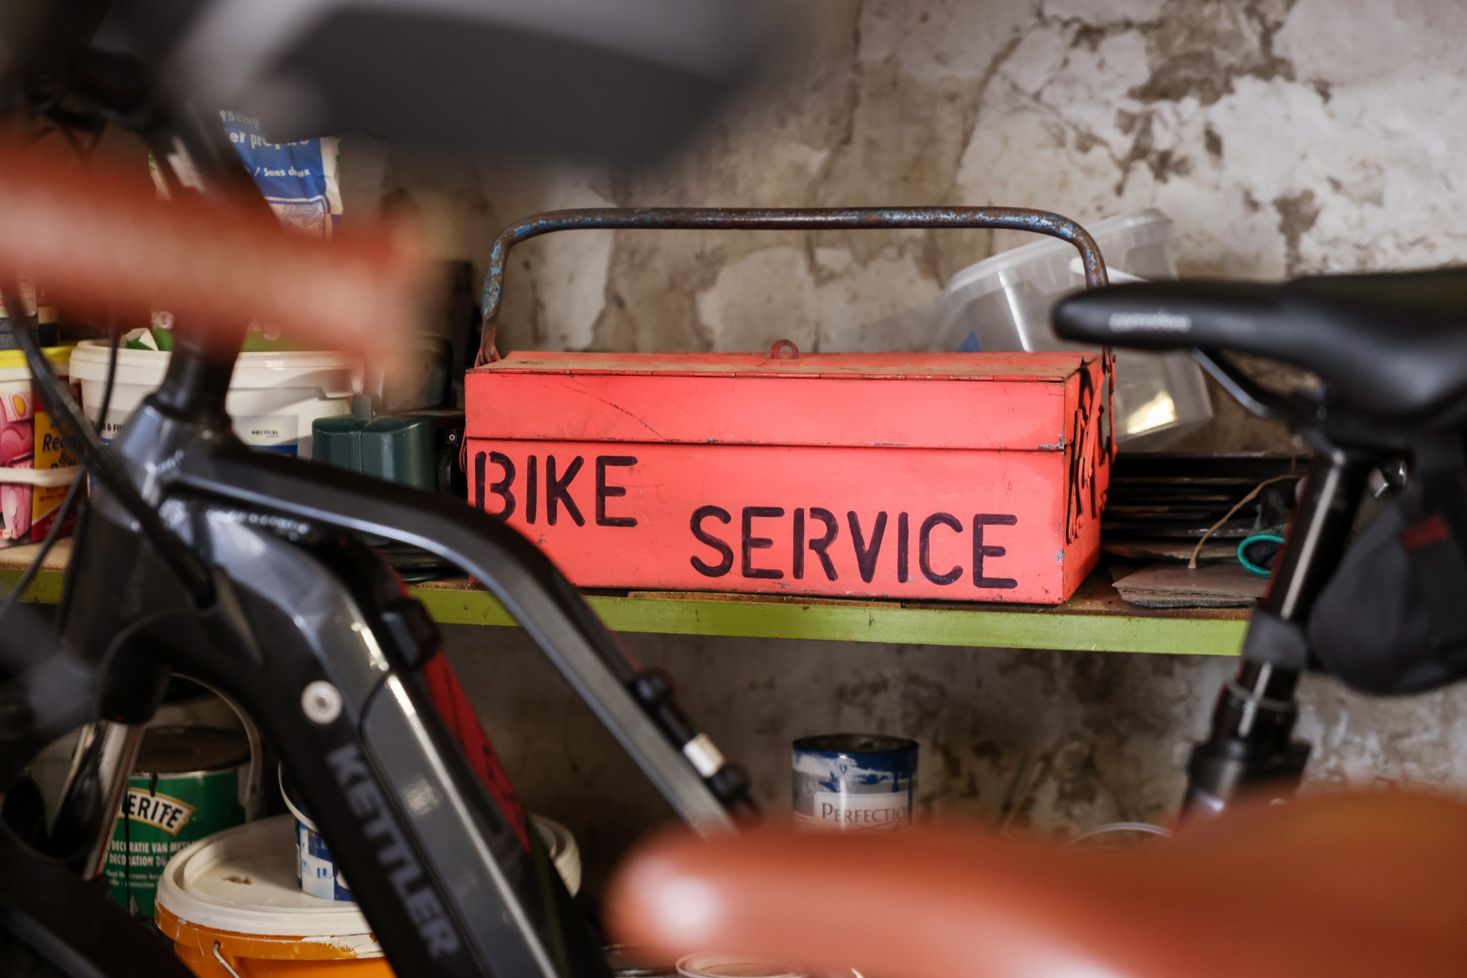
{"x": 1251, "y": 742}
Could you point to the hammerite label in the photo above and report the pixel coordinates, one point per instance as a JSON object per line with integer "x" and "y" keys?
{"x": 160, "y": 815}
{"x": 163, "y": 812}
{"x": 189, "y": 789}
{"x": 852, "y": 812}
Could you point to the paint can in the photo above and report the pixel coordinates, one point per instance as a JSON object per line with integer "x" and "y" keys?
{"x": 632, "y": 961}
{"x": 187, "y": 785}
{"x": 319, "y": 876}
{"x": 707, "y": 965}
{"x": 854, "y": 782}
{"x": 315, "y": 871}
{"x": 232, "y": 906}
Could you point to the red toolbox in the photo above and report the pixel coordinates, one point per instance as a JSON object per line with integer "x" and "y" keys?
{"x": 960, "y": 477}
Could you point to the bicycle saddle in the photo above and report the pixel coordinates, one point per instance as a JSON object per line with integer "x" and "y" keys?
{"x": 1389, "y": 346}
{"x": 1350, "y": 886}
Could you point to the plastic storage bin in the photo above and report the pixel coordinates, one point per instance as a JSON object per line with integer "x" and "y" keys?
{"x": 35, "y": 468}
{"x": 1003, "y": 303}
{"x": 273, "y": 397}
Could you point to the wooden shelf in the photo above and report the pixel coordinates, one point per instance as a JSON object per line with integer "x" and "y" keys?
{"x": 1094, "y": 620}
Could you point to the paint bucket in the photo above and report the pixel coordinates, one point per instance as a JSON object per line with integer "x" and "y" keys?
{"x": 185, "y": 704}
{"x": 854, "y": 782}
{"x": 188, "y": 784}
{"x": 35, "y": 470}
{"x": 320, "y": 877}
{"x": 273, "y": 397}
{"x": 231, "y": 902}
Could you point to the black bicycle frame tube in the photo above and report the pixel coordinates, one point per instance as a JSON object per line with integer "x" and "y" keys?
{"x": 449, "y": 887}
{"x": 684, "y": 766}
{"x": 449, "y": 876}
{"x": 453, "y": 880}
{"x": 194, "y": 157}
{"x": 74, "y": 925}
{"x": 188, "y": 148}
{"x": 1251, "y": 741}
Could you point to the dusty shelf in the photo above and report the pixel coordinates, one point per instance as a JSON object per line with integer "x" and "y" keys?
{"x": 1094, "y": 620}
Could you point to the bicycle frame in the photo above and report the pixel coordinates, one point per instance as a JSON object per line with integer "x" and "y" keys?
{"x": 1250, "y": 746}
{"x": 312, "y": 633}
{"x": 305, "y": 612}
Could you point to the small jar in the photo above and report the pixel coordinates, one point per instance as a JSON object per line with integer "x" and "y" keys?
{"x": 854, "y": 782}
{"x": 628, "y": 961}
{"x": 711, "y": 965}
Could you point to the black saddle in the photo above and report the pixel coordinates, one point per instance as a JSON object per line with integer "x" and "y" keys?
{"x": 1391, "y": 347}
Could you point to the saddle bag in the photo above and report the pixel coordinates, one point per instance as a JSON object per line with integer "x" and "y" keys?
{"x": 1393, "y": 618}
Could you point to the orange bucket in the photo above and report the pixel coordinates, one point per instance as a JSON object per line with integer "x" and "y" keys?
{"x": 233, "y": 906}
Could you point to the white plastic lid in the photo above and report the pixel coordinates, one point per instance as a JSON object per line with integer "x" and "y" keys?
{"x": 276, "y": 368}
{"x": 1149, "y": 222}
{"x": 243, "y": 880}
{"x": 13, "y": 363}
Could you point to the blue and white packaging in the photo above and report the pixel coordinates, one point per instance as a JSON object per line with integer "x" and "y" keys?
{"x": 299, "y": 179}
{"x": 854, "y": 782}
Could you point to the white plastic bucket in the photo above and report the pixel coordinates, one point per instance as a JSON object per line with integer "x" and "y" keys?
{"x": 34, "y": 474}
{"x": 233, "y": 898}
{"x": 231, "y": 906}
{"x": 273, "y": 397}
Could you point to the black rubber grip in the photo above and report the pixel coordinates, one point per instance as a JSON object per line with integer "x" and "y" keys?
{"x": 1167, "y": 315}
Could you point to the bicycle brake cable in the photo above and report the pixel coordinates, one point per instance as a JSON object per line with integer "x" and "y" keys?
{"x": 79, "y": 436}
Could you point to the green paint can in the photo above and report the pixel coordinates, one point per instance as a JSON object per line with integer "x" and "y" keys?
{"x": 187, "y": 785}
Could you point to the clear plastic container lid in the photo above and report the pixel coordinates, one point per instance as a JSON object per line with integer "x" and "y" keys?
{"x": 1003, "y": 304}
{"x": 1134, "y": 243}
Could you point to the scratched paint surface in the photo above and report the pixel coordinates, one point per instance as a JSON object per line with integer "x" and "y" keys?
{"x": 990, "y": 401}
{"x": 907, "y": 523}
{"x": 960, "y": 478}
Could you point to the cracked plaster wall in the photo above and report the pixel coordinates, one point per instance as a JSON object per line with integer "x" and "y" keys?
{"x": 1282, "y": 136}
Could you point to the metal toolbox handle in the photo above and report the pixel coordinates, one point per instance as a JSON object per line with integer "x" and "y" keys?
{"x": 790, "y": 219}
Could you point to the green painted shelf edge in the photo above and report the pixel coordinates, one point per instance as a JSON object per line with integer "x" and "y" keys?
{"x": 858, "y": 621}
{"x": 840, "y": 621}
{"x": 45, "y": 589}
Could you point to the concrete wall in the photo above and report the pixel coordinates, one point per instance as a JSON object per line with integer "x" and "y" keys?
{"x": 1280, "y": 136}
{"x": 1049, "y": 742}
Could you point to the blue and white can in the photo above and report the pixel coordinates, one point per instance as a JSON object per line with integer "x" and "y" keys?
{"x": 316, "y": 870}
{"x": 854, "y": 782}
